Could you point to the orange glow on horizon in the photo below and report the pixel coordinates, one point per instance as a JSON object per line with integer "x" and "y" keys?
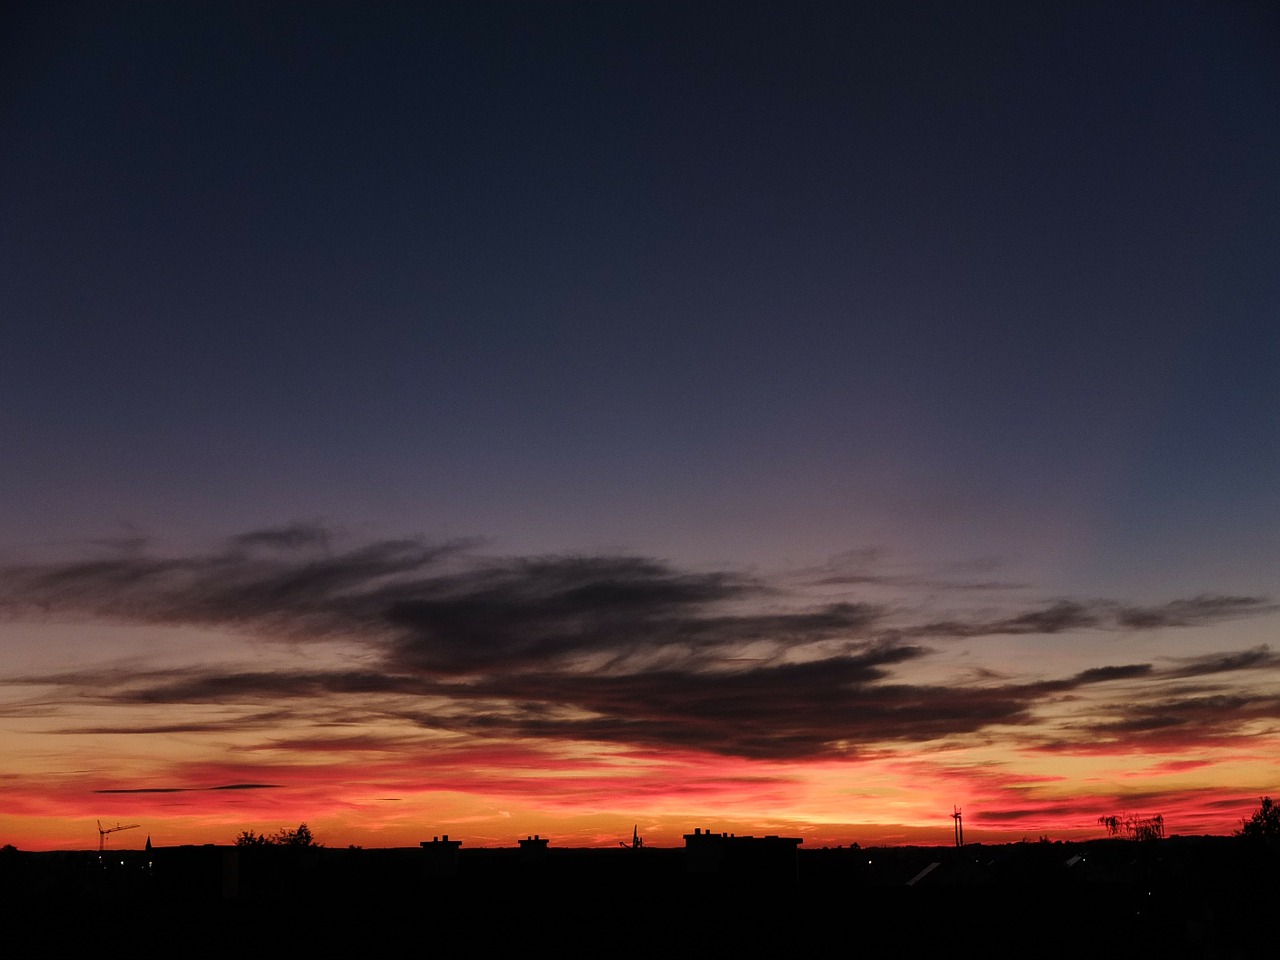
{"x": 899, "y": 800}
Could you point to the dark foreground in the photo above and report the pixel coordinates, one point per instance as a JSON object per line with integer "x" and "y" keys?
{"x": 1207, "y": 897}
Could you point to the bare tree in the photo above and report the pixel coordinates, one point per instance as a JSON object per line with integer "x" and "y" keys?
{"x": 1135, "y": 828}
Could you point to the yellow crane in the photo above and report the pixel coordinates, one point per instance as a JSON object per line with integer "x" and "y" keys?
{"x": 103, "y": 831}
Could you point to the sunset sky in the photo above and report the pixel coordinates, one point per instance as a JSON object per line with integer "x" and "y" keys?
{"x": 508, "y": 418}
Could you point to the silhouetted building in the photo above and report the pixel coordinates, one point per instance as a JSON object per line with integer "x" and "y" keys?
{"x": 769, "y": 859}
{"x": 533, "y": 848}
{"x": 440, "y": 857}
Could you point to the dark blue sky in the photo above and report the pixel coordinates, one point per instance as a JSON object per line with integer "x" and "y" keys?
{"x": 745, "y": 282}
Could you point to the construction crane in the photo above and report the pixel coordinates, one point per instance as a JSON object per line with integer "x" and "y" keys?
{"x": 637, "y": 841}
{"x": 103, "y": 831}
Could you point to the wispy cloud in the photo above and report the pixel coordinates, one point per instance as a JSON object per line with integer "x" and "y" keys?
{"x": 615, "y": 649}
{"x": 225, "y": 786}
{"x": 1257, "y": 658}
{"x": 1203, "y": 609}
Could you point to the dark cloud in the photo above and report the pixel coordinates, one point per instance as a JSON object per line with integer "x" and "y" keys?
{"x": 152, "y": 729}
{"x": 239, "y": 687}
{"x": 444, "y": 609}
{"x": 1052, "y": 618}
{"x": 1258, "y": 658}
{"x": 296, "y": 593}
{"x": 246, "y": 786}
{"x": 1179, "y": 722}
{"x": 294, "y": 536}
{"x": 227, "y": 786}
{"x": 784, "y": 710}
{"x": 1061, "y": 616}
{"x": 1188, "y": 711}
{"x": 874, "y": 567}
{"x": 913, "y": 583}
{"x": 1103, "y": 674}
{"x": 610, "y": 648}
{"x": 527, "y": 612}
{"x": 1204, "y": 609}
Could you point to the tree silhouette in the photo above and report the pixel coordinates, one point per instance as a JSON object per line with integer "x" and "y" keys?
{"x": 302, "y": 837}
{"x": 1264, "y": 823}
{"x": 295, "y": 838}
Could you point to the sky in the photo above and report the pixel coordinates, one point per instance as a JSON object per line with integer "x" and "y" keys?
{"x": 499, "y": 419}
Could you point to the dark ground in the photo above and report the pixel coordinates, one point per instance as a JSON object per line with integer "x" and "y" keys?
{"x": 1176, "y": 898}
